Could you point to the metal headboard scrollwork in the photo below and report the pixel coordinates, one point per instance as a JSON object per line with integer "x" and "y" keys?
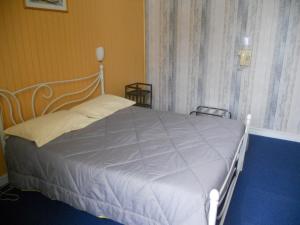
{"x": 15, "y": 111}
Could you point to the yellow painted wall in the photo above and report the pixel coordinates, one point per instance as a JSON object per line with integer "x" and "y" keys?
{"x": 38, "y": 45}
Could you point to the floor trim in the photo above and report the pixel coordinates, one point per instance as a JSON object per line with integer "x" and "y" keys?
{"x": 3, "y": 180}
{"x": 275, "y": 134}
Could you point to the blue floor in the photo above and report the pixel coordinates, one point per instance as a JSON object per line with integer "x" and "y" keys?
{"x": 267, "y": 193}
{"x": 268, "y": 190}
{"x": 35, "y": 209}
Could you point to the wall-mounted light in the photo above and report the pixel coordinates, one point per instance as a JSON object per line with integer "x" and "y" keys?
{"x": 100, "y": 58}
{"x": 245, "y": 53}
{"x": 100, "y": 54}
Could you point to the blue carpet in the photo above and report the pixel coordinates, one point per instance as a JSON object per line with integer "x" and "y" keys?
{"x": 35, "y": 209}
{"x": 268, "y": 189}
{"x": 267, "y": 193}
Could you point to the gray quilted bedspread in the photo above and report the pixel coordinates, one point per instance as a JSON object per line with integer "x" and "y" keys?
{"x": 137, "y": 166}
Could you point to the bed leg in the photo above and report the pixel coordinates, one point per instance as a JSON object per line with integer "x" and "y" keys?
{"x": 244, "y": 145}
{"x": 214, "y": 196}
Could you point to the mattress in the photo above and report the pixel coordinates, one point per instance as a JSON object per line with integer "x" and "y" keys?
{"x": 138, "y": 166}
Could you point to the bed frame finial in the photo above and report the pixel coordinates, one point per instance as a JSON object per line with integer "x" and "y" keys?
{"x": 248, "y": 121}
{"x": 214, "y": 196}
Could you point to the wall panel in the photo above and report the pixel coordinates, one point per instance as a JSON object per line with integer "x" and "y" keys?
{"x": 201, "y": 40}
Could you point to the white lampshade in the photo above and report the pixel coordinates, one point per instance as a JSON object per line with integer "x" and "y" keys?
{"x": 100, "y": 54}
{"x": 246, "y": 41}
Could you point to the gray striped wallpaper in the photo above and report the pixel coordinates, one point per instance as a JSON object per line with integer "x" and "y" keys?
{"x": 192, "y": 58}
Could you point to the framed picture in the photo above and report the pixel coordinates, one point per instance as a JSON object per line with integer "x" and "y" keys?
{"x": 58, "y": 5}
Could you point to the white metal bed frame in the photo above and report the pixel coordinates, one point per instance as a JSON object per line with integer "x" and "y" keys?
{"x": 218, "y": 199}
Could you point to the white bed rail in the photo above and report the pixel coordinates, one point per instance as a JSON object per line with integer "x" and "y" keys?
{"x": 223, "y": 196}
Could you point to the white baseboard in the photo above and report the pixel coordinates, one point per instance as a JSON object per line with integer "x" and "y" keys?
{"x": 274, "y": 134}
{"x": 3, "y": 180}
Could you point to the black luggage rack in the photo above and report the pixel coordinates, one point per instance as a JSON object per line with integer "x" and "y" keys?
{"x": 141, "y": 93}
{"x": 212, "y": 111}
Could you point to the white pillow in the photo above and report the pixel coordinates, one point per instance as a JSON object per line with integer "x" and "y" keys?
{"x": 102, "y": 106}
{"x": 45, "y": 128}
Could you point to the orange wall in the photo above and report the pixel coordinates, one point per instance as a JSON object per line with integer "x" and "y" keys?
{"x": 38, "y": 45}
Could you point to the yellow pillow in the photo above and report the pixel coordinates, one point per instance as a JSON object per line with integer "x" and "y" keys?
{"x": 102, "y": 106}
{"x": 45, "y": 128}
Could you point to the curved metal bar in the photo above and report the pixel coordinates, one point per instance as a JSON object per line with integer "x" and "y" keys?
{"x": 10, "y": 108}
{"x": 13, "y": 102}
{"x": 77, "y": 100}
{"x": 19, "y": 110}
{"x": 3, "y": 93}
{"x": 56, "y": 82}
{"x": 68, "y": 94}
{"x": 33, "y": 98}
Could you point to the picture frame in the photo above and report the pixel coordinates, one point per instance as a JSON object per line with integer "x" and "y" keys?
{"x": 55, "y": 5}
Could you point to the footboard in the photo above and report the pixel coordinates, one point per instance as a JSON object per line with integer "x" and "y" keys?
{"x": 220, "y": 199}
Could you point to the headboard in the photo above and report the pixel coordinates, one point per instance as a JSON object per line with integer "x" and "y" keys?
{"x": 11, "y": 102}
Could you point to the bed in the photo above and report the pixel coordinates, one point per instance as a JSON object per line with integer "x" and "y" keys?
{"x": 138, "y": 166}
